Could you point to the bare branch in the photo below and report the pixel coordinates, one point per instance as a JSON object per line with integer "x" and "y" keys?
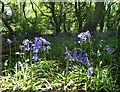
{"x": 41, "y": 11}
{"x": 33, "y": 8}
{"x": 24, "y": 4}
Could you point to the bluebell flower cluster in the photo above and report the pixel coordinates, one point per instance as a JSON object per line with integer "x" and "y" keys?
{"x": 67, "y": 54}
{"x": 109, "y": 50}
{"x": 85, "y": 59}
{"x": 77, "y": 56}
{"x": 39, "y": 44}
{"x": 84, "y": 36}
{"x": 80, "y": 56}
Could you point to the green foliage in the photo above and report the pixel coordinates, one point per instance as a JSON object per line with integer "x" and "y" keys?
{"x": 48, "y": 73}
{"x": 39, "y": 17}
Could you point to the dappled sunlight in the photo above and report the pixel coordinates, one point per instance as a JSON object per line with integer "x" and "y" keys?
{"x": 60, "y": 46}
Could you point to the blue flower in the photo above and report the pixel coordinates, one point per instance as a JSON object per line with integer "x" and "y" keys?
{"x": 37, "y": 42}
{"x": 35, "y": 57}
{"x": 67, "y": 55}
{"x": 85, "y": 59}
{"x": 80, "y": 57}
{"x": 44, "y": 42}
{"x": 21, "y": 47}
{"x": 75, "y": 56}
{"x": 81, "y": 37}
{"x": 64, "y": 72}
{"x": 25, "y": 42}
{"x": 71, "y": 58}
{"x": 43, "y": 49}
{"x": 109, "y": 50}
{"x": 35, "y": 49}
{"x": 72, "y": 65}
{"x": 27, "y": 45}
{"x": 19, "y": 64}
{"x": 90, "y": 71}
{"x": 9, "y": 41}
{"x": 88, "y": 35}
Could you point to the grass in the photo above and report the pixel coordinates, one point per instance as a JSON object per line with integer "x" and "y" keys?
{"x": 48, "y": 74}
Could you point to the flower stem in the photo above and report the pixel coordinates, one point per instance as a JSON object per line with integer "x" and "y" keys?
{"x": 44, "y": 56}
{"x": 16, "y": 70}
{"x": 98, "y": 73}
{"x": 90, "y": 52}
{"x": 31, "y": 69}
{"x": 5, "y": 71}
{"x": 67, "y": 65}
{"x": 10, "y": 55}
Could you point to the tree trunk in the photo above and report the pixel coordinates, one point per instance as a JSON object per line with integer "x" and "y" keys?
{"x": 55, "y": 18}
{"x": 102, "y": 21}
{"x": 80, "y": 26}
{"x": 64, "y": 23}
{"x": 101, "y": 24}
{"x": 57, "y": 29}
{"x": 95, "y": 17}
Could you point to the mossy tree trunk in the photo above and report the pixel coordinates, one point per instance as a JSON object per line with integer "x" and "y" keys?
{"x": 95, "y": 17}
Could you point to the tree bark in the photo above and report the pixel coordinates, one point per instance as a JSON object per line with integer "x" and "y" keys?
{"x": 95, "y": 17}
{"x": 102, "y": 20}
{"x": 55, "y": 18}
{"x": 64, "y": 23}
